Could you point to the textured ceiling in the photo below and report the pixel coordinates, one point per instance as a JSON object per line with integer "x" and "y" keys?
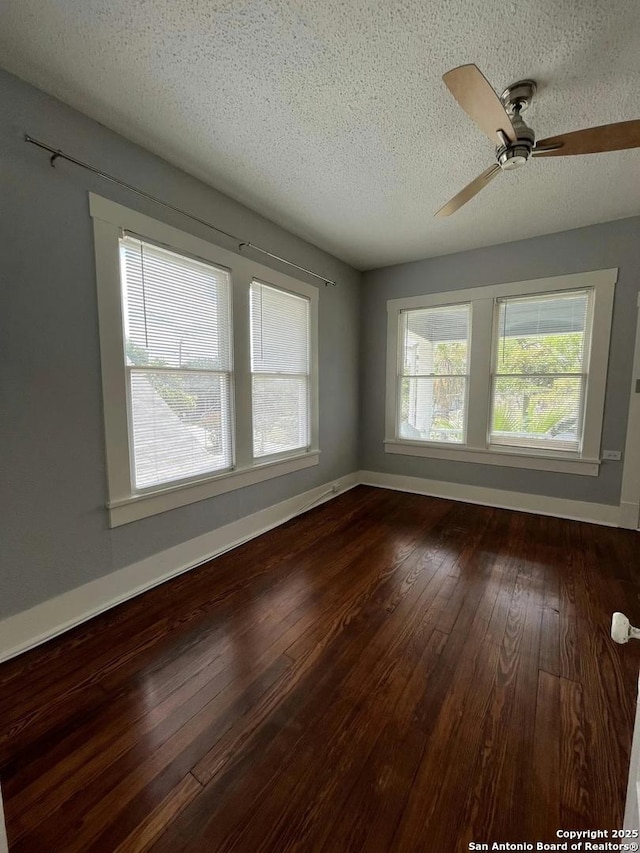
{"x": 331, "y": 118}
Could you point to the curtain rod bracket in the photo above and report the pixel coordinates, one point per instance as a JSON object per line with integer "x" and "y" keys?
{"x": 53, "y": 158}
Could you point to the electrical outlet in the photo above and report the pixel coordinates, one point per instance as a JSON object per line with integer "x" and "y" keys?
{"x": 614, "y": 455}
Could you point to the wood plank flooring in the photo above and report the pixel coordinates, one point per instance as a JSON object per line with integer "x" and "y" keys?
{"x": 387, "y": 672}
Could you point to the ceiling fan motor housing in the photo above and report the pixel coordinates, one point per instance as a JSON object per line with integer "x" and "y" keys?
{"x": 512, "y": 155}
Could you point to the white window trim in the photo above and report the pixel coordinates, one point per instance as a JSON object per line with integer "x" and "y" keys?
{"x": 125, "y": 504}
{"x": 477, "y": 449}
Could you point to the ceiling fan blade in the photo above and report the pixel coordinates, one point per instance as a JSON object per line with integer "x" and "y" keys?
{"x": 607, "y": 137}
{"x": 474, "y": 93}
{"x": 469, "y": 191}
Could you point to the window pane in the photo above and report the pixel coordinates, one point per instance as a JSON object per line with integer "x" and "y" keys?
{"x": 279, "y": 331}
{"x": 537, "y": 411}
{"x": 435, "y": 341}
{"x": 176, "y": 309}
{"x": 180, "y": 425}
{"x": 280, "y": 413}
{"x": 433, "y": 409}
{"x": 542, "y": 334}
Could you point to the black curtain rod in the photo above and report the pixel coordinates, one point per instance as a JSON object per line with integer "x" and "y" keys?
{"x": 57, "y": 153}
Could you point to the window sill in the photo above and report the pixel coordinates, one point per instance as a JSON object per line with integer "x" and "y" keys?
{"x": 562, "y": 463}
{"x": 139, "y": 506}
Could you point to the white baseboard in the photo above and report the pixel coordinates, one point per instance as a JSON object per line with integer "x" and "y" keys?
{"x": 25, "y": 630}
{"x": 518, "y": 501}
{"x": 629, "y": 515}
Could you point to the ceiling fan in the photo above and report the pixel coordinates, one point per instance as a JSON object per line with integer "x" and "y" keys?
{"x": 501, "y": 119}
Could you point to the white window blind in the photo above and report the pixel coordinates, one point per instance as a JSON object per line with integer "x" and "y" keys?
{"x": 433, "y": 374}
{"x": 280, "y": 370}
{"x": 541, "y": 347}
{"x": 177, "y": 323}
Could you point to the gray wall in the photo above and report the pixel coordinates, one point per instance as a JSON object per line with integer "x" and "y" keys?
{"x": 613, "y": 244}
{"x": 53, "y": 484}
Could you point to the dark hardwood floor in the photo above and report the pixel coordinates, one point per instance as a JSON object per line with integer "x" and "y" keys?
{"x": 387, "y": 672}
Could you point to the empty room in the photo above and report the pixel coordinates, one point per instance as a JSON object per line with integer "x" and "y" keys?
{"x": 320, "y": 418}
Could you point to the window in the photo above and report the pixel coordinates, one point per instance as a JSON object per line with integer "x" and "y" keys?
{"x": 512, "y": 374}
{"x": 540, "y": 374}
{"x": 432, "y": 381}
{"x": 177, "y": 325}
{"x": 209, "y": 366}
{"x": 279, "y": 370}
